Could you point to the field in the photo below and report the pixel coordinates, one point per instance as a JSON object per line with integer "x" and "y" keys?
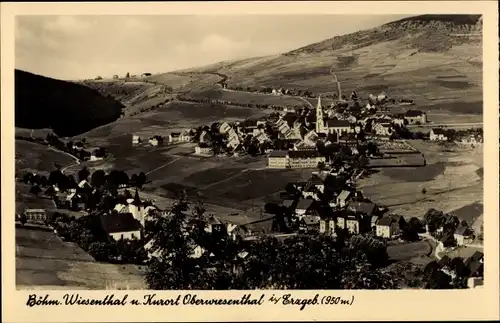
{"x": 171, "y": 117}
{"x": 253, "y": 98}
{"x": 43, "y": 260}
{"x": 35, "y": 157}
{"x": 451, "y": 179}
{"x": 419, "y": 251}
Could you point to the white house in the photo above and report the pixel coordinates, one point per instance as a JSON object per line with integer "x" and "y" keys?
{"x": 387, "y": 227}
{"x": 153, "y": 142}
{"x": 95, "y": 158}
{"x": 121, "y": 226}
{"x": 174, "y": 137}
{"x": 136, "y": 140}
{"x": 203, "y": 150}
{"x": 438, "y": 134}
{"x": 382, "y": 129}
{"x": 343, "y": 198}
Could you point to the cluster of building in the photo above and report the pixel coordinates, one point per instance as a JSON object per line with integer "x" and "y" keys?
{"x": 464, "y": 137}
{"x": 474, "y": 264}
{"x": 334, "y": 125}
{"x": 346, "y": 210}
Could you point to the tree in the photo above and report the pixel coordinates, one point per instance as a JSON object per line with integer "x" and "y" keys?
{"x": 35, "y": 190}
{"x": 50, "y": 192}
{"x": 83, "y": 174}
{"x": 439, "y": 280}
{"x": 98, "y": 178}
{"x": 141, "y": 179}
{"x": 128, "y": 75}
{"x": 23, "y": 219}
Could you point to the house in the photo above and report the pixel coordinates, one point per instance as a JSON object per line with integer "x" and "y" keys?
{"x": 438, "y": 134}
{"x": 327, "y": 226}
{"x": 311, "y": 138}
{"x": 303, "y": 207}
{"x": 262, "y": 138}
{"x": 352, "y": 223}
{"x": 362, "y": 208}
{"x": 205, "y": 137}
{"x": 444, "y": 262}
{"x": 196, "y": 252}
{"x": 185, "y": 136}
{"x": 156, "y": 140}
{"x": 121, "y": 226}
{"x": 415, "y": 117}
{"x": 463, "y": 235}
{"x": 387, "y": 227}
{"x": 202, "y": 149}
{"x": 35, "y": 215}
{"x": 237, "y": 231}
{"x": 340, "y": 127}
{"x": 224, "y": 128}
{"x": 310, "y": 188}
{"x": 343, "y": 198}
{"x": 475, "y": 282}
{"x": 305, "y": 159}
{"x": 214, "y": 225}
{"x": 278, "y": 159}
{"x": 84, "y": 185}
{"x": 93, "y": 157}
{"x": 174, "y": 137}
{"x": 309, "y": 224}
{"x": 475, "y": 263}
{"x": 136, "y": 140}
{"x": 400, "y": 121}
{"x": 382, "y": 129}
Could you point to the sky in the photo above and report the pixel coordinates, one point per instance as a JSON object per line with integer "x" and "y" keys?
{"x": 79, "y": 47}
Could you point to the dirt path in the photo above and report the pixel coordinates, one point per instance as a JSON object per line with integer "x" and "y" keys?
{"x": 164, "y": 165}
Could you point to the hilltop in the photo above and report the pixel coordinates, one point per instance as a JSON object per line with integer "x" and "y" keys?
{"x": 65, "y": 107}
{"x": 435, "y": 60}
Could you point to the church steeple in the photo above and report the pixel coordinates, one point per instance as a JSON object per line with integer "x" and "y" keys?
{"x": 319, "y": 117}
{"x": 137, "y": 201}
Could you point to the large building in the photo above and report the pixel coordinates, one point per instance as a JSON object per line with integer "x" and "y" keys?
{"x": 340, "y": 127}
{"x": 295, "y": 159}
{"x": 415, "y": 117}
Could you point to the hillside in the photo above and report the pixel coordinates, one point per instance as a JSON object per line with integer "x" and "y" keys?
{"x": 65, "y": 107}
{"x": 435, "y": 60}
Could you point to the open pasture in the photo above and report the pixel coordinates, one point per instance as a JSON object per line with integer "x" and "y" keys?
{"x": 43, "y": 259}
{"x": 407, "y": 251}
{"x": 248, "y": 97}
{"x": 450, "y": 180}
{"x": 38, "y": 158}
{"x": 173, "y": 115}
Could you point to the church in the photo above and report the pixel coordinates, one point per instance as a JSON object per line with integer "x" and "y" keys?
{"x": 327, "y": 126}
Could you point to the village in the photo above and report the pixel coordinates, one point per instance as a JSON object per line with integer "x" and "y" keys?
{"x": 104, "y": 212}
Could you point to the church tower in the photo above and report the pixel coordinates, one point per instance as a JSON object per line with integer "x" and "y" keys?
{"x": 137, "y": 209}
{"x": 320, "y": 122}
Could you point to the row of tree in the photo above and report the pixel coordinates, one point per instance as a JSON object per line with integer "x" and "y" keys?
{"x": 301, "y": 262}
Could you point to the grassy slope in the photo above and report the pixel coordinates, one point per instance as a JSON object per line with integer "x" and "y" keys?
{"x": 66, "y": 107}
{"x": 419, "y": 58}
{"x": 43, "y": 260}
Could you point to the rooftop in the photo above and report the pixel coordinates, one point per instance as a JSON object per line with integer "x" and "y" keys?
{"x": 331, "y": 123}
{"x": 304, "y": 204}
{"x": 362, "y": 207}
{"x": 124, "y": 222}
{"x": 278, "y": 153}
{"x": 303, "y": 153}
{"x": 414, "y": 113}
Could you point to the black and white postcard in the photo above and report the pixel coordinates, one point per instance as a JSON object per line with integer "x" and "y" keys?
{"x": 250, "y": 161}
